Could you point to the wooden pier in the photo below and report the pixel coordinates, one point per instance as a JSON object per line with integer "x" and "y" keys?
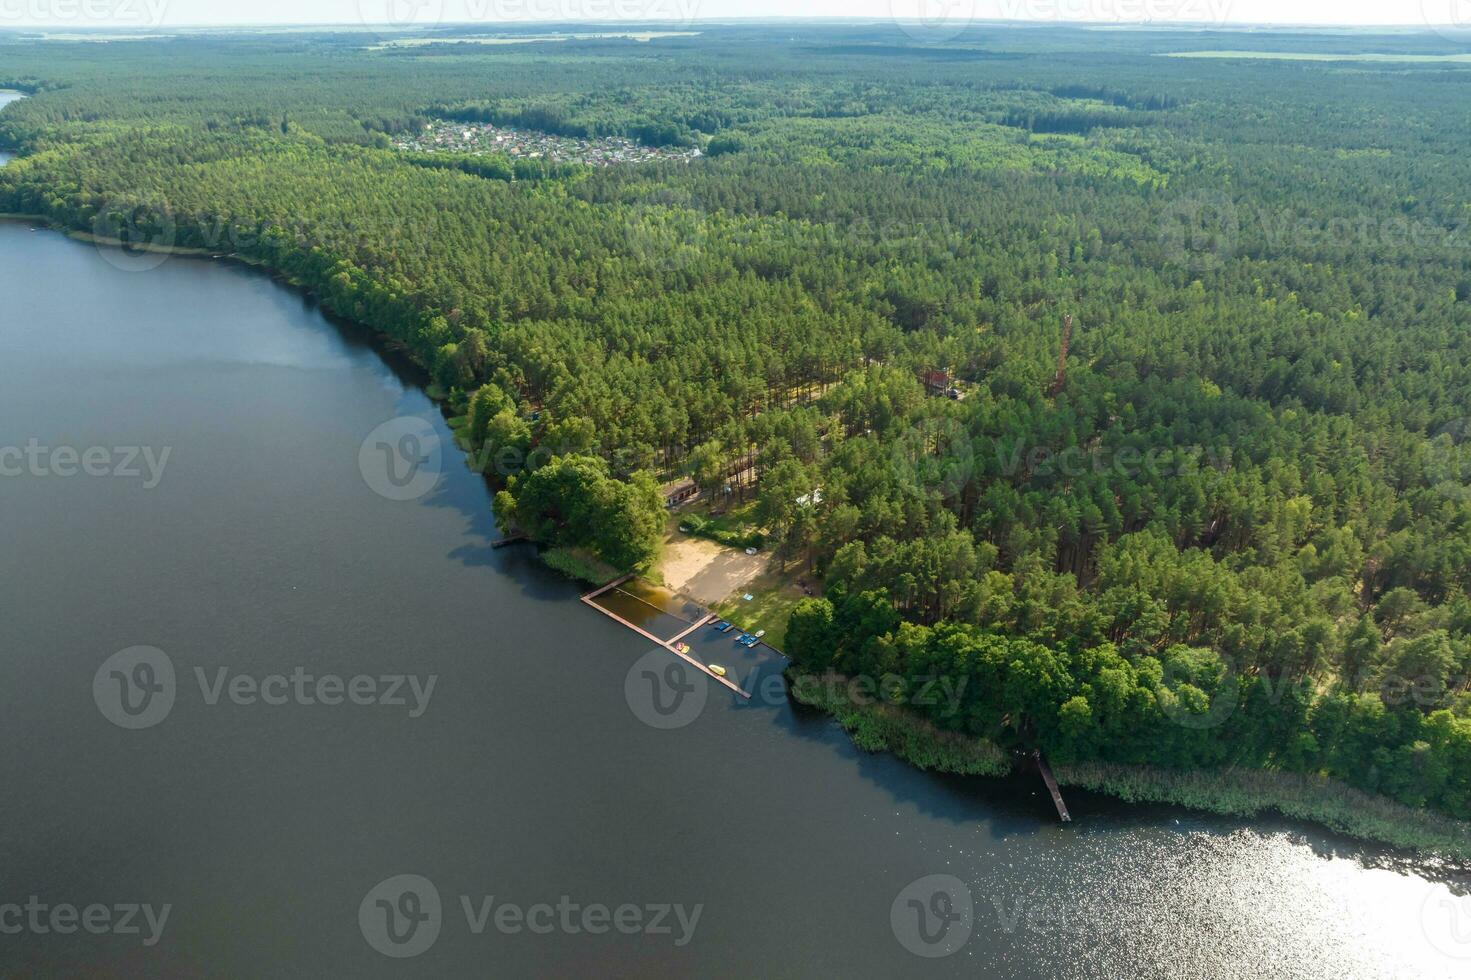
{"x": 607, "y": 588}
{"x": 693, "y": 627}
{"x": 510, "y": 539}
{"x": 666, "y": 644}
{"x": 1051, "y": 782}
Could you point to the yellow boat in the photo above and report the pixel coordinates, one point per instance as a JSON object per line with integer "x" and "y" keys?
{"x": 717, "y": 670}
{"x": 682, "y": 647}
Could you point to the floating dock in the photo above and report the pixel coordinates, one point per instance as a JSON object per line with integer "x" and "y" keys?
{"x": 669, "y": 644}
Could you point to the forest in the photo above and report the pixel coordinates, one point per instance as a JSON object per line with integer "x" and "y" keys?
{"x": 1233, "y": 531}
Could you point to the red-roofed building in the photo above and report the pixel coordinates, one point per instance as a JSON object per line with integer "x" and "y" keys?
{"x": 936, "y": 381}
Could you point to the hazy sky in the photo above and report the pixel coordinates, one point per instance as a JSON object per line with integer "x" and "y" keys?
{"x": 132, "y": 13}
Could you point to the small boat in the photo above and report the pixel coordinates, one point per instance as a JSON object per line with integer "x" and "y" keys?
{"x": 717, "y": 670}
{"x": 724, "y": 627}
{"x": 750, "y": 641}
{"x": 759, "y": 633}
{"x": 682, "y": 647}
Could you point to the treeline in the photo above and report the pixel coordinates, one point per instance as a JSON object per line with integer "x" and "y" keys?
{"x": 1178, "y": 707}
{"x": 494, "y": 166}
{"x": 1129, "y": 100}
{"x": 1075, "y": 121}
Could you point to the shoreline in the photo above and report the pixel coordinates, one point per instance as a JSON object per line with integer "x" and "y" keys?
{"x": 1253, "y": 793}
{"x": 1240, "y": 793}
{"x": 181, "y": 251}
{"x": 1233, "y": 793}
{"x": 879, "y": 727}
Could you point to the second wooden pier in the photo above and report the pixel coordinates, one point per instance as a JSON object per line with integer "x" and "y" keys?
{"x": 669, "y": 644}
{"x": 1051, "y": 782}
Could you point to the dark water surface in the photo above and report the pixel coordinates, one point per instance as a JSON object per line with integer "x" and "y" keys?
{"x": 527, "y": 776}
{"x": 6, "y": 98}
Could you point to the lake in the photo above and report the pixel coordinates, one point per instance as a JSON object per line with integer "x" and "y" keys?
{"x": 192, "y": 456}
{"x": 6, "y": 98}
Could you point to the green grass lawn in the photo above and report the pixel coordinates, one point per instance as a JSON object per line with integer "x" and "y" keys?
{"x": 579, "y": 564}
{"x": 775, "y": 596}
{"x": 739, "y": 519}
{"x": 735, "y": 528}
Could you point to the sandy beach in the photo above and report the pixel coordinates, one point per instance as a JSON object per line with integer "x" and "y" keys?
{"x": 706, "y": 571}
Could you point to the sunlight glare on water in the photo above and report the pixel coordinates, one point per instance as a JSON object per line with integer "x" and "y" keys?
{"x": 1242, "y": 904}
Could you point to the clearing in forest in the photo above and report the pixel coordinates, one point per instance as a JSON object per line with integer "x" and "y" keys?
{"x": 707, "y": 571}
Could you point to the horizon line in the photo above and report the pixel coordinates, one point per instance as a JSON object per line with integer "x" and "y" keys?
{"x": 1413, "y": 26}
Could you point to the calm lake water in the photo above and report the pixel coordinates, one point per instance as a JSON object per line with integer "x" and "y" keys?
{"x": 262, "y": 548}
{"x": 6, "y": 98}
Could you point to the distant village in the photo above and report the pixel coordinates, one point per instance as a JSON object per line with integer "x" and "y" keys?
{"x": 481, "y": 138}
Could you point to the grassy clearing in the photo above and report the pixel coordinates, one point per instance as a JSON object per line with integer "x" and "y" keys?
{"x": 735, "y": 519}
{"x": 578, "y": 564}
{"x": 775, "y": 596}
{"x": 424, "y": 42}
{"x": 734, "y": 527}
